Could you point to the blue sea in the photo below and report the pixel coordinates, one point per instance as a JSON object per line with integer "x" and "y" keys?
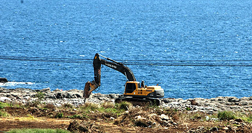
{"x": 191, "y": 48}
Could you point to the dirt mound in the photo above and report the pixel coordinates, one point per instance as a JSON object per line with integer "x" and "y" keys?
{"x": 18, "y": 123}
{"x": 85, "y": 126}
{"x": 93, "y": 118}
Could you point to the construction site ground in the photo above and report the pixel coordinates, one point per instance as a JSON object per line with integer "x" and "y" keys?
{"x": 33, "y": 117}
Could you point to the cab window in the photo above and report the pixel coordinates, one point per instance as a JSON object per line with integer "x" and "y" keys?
{"x": 130, "y": 87}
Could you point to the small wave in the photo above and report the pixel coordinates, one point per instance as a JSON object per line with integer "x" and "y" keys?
{"x": 16, "y": 83}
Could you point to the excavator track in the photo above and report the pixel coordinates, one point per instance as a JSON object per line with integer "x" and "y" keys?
{"x": 138, "y": 101}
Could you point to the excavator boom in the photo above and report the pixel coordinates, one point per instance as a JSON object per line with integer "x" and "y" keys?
{"x": 97, "y": 62}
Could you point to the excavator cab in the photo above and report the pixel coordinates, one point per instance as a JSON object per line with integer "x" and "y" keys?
{"x": 134, "y": 89}
{"x": 131, "y": 86}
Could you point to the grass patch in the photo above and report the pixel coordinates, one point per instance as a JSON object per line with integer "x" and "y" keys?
{"x": 67, "y": 105}
{"x": 249, "y": 118}
{"x": 124, "y": 105}
{"x": 49, "y": 106}
{"x": 109, "y": 108}
{"x": 188, "y": 109}
{"x": 4, "y": 114}
{"x": 40, "y": 96}
{"x": 2, "y": 105}
{"x": 226, "y": 115}
{"x": 59, "y": 115}
{"x": 108, "y": 105}
{"x": 76, "y": 117}
{"x": 38, "y": 131}
{"x": 196, "y": 116}
{"x": 87, "y": 107}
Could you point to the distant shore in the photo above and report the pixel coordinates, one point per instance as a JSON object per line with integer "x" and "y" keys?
{"x": 75, "y": 97}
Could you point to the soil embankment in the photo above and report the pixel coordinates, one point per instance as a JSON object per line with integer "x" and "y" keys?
{"x": 26, "y": 108}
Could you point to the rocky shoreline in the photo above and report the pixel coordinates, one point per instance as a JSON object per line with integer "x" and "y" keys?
{"x": 75, "y": 97}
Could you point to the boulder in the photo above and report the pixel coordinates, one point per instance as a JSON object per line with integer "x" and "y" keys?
{"x": 46, "y": 90}
{"x": 3, "y": 80}
{"x": 51, "y": 95}
{"x": 78, "y": 95}
{"x": 167, "y": 100}
{"x": 70, "y": 95}
{"x": 4, "y": 99}
{"x": 164, "y": 117}
{"x": 60, "y": 95}
{"x": 233, "y": 99}
{"x": 113, "y": 96}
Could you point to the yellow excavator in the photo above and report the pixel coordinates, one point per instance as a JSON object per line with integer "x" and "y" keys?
{"x": 134, "y": 92}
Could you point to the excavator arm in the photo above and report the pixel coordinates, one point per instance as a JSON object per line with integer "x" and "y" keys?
{"x": 97, "y": 62}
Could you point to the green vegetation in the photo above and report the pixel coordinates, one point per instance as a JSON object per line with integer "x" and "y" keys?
{"x": 2, "y": 105}
{"x": 2, "y": 110}
{"x": 59, "y": 115}
{"x": 188, "y": 109}
{"x": 38, "y": 131}
{"x": 67, "y": 105}
{"x": 124, "y": 105}
{"x": 249, "y": 118}
{"x": 87, "y": 107}
{"x": 40, "y": 96}
{"x": 76, "y": 117}
{"x": 3, "y": 113}
{"x": 108, "y": 105}
{"x": 244, "y": 116}
{"x": 105, "y": 108}
{"x": 226, "y": 115}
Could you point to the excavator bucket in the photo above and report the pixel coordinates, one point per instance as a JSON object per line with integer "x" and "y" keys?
{"x": 89, "y": 87}
{"x": 86, "y": 90}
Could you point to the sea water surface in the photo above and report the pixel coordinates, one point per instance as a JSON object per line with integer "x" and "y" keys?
{"x": 191, "y": 48}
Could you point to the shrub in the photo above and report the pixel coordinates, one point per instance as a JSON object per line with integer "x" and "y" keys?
{"x": 3, "y": 114}
{"x": 76, "y": 117}
{"x": 89, "y": 106}
{"x": 249, "y": 118}
{"x": 2, "y": 105}
{"x": 226, "y": 115}
{"x": 125, "y": 105}
{"x": 197, "y": 116}
{"x": 67, "y": 105}
{"x": 108, "y": 105}
{"x": 50, "y": 106}
{"x": 59, "y": 115}
{"x": 34, "y": 103}
{"x": 188, "y": 109}
{"x": 40, "y": 95}
{"x": 30, "y": 116}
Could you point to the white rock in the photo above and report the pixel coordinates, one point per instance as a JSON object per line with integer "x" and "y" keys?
{"x": 58, "y": 105}
{"x": 225, "y": 128}
{"x": 152, "y": 115}
{"x": 27, "y": 97}
{"x": 207, "y": 118}
{"x": 3, "y": 99}
{"x": 164, "y": 117}
{"x": 138, "y": 117}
